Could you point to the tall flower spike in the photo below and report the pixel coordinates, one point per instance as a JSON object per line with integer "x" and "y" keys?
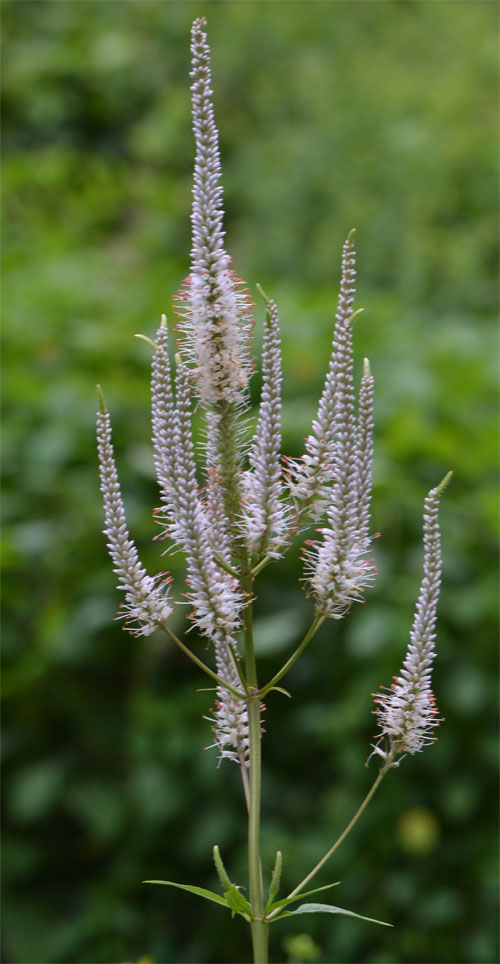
{"x": 406, "y": 713}
{"x": 313, "y": 473}
{"x": 264, "y": 515}
{"x": 364, "y": 449}
{"x": 213, "y": 303}
{"x": 162, "y": 411}
{"x": 147, "y": 604}
{"x": 337, "y": 568}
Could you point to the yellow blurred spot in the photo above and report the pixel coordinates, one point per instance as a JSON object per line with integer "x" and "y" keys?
{"x": 418, "y": 831}
{"x": 141, "y": 960}
{"x": 301, "y": 948}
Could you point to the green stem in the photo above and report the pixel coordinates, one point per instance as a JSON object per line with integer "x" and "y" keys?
{"x": 206, "y": 669}
{"x": 339, "y": 840}
{"x": 316, "y": 623}
{"x": 259, "y": 927}
{"x": 225, "y": 565}
{"x": 261, "y": 565}
{"x": 260, "y": 937}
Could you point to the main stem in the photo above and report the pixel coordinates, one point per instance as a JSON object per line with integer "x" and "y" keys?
{"x": 259, "y": 927}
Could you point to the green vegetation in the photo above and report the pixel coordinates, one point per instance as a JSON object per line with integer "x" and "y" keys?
{"x": 332, "y": 115}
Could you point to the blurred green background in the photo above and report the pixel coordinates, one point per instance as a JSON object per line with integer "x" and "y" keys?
{"x": 333, "y": 115}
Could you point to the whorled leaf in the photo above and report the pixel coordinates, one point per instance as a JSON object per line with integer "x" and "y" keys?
{"x": 200, "y": 891}
{"x": 237, "y": 903}
{"x": 330, "y": 909}
{"x": 285, "y": 901}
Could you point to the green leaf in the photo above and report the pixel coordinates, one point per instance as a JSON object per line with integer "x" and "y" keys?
{"x": 290, "y": 900}
{"x": 275, "y": 880}
{"x": 281, "y": 689}
{"x": 200, "y": 891}
{"x": 221, "y": 870}
{"x": 237, "y": 903}
{"x": 330, "y": 909}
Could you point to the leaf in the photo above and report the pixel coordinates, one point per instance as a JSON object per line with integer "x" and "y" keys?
{"x": 200, "y": 891}
{"x": 290, "y": 900}
{"x": 330, "y": 909}
{"x": 237, "y": 903}
{"x": 275, "y": 880}
{"x": 221, "y": 870}
{"x": 281, "y": 689}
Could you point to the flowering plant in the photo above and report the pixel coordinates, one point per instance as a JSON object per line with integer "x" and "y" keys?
{"x": 248, "y": 504}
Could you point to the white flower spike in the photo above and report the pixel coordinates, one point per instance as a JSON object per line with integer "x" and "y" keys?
{"x": 338, "y": 568}
{"x": 265, "y": 517}
{"x": 213, "y": 303}
{"x": 147, "y": 604}
{"x": 407, "y": 712}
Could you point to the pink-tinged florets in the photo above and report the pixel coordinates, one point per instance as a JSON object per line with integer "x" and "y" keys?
{"x": 147, "y": 608}
{"x": 216, "y": 326}
{"x": 230, "y": 719}
{"x": 337, "y": 577}
{"x": 407, "y": 717}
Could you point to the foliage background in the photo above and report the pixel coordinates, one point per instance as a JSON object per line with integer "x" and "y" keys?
{"x": 333, "y": 114}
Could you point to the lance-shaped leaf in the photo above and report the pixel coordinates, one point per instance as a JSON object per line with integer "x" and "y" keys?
{"x": 221, "y": 870}
{"x": 199, "y": 891}
{"x": 286, "y": 901}
{"x": 330, "y": 909}
{"x": 275, "y": 880}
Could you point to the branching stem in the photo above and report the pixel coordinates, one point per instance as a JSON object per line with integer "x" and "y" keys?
{"x": 339, "y": 840}
{"x": 201, "y": 665}
{"x": 316, "y": 623}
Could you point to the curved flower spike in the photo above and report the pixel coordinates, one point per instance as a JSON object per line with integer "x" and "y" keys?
{"x": 407, "y": 712}
{"x": 147, "y": 604}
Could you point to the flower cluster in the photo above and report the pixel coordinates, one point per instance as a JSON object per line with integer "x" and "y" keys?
{"x": 333, "y": 478}
{"x": 406, "y": 712}
{"x": 242, "y": 510}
